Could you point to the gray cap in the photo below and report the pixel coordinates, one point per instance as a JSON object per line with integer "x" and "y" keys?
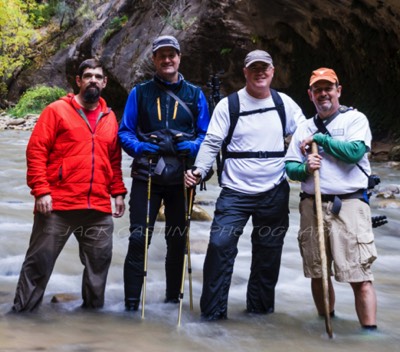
{"x": 166, "y": 40}
{"x": 258, "y": 56}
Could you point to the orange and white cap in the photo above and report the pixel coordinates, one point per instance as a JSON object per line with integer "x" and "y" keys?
{"x": 323, "y": 74}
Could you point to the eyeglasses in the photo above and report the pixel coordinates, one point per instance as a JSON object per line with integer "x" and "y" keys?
{"x": 263, "y": 68}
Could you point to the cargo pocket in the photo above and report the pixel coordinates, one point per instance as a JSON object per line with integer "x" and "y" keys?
{"x": 365, "y": 236}
{"x": 367, "y": 248}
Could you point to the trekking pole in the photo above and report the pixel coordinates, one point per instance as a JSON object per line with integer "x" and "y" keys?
{"x": 189, "y": 218}
{"x": 188, "y": 212}
{"x": 322, "y": 251}
{"x": 146, "y": 242}
{"x": 182, "y": 287}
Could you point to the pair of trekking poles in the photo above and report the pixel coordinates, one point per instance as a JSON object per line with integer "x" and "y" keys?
{"x": 188, "y": 200}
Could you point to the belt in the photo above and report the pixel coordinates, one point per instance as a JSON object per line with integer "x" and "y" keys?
{"x": 258, "y": 155}
{"x": 336, "y": 199}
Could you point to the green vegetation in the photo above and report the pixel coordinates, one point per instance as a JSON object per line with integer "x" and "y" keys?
{"x": 21, "y": 42}
{"x": 178, "y": 22}
{"x": 16, "y": 35}
{"x": 39, "y": 14}
{"x": 114, "y": 26}
{"x": 255, "y": 39}
{"x": 35, "y": 99}
{"x": 225, "y": 51}
{"x": 172, "y": 13}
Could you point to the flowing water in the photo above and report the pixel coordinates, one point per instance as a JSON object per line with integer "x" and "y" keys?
{"x": 293, "y": 327}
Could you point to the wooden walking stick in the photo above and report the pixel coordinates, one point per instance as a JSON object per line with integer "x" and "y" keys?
{"x": 322, "y": 251}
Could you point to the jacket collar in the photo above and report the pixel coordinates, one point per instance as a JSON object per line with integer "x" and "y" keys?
{"x": 70, "y": 99}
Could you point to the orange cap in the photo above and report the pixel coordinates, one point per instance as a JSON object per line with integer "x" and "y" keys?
{"x": 323, "y": 74}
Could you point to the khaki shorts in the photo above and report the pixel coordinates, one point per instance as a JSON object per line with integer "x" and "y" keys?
{"x": 349, "y": 240}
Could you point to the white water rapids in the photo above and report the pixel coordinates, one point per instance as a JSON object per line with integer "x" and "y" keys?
{"x": 64, "y": 327}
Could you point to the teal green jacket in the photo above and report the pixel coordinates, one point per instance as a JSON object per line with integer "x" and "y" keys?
{"x": 349, "y": 152}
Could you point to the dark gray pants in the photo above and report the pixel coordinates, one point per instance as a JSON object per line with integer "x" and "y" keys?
{"x": 92, "y": 229}
{"x": 270, "y": 217}
{"x": 175, "y": 236}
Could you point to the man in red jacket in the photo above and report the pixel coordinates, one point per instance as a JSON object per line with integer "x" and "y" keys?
{"x": 74, "y": 166}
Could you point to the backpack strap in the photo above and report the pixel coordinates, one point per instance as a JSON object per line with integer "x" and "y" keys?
{"x": 280, "y": 108}
{"x": 179, "y": 100}
{"x": 233, "y": 104}
{"x": 234, "y": 113}
{"x": 321, "y": 126}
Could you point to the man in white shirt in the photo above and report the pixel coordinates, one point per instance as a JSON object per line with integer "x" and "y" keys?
{"x": 343, "y": 137}
{"x": 253, "y": 184}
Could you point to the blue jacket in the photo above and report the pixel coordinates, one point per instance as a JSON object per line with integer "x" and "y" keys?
{"x": 149, "y": 108}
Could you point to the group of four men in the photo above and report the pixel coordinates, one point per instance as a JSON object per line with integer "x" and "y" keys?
{"x": 74, "y": 165}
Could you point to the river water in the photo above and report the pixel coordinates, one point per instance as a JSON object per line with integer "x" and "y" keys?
{"x": 293, "y": 327}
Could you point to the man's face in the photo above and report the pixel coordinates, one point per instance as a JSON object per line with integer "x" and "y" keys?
{"x": 258, "y": 77}
{"x": 91, "y": 84}
{"x": 166, "y": 61}
{"x": 325, "y": 96}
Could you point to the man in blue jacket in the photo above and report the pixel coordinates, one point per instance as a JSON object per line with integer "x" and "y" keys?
{"x": 164, "y": 122}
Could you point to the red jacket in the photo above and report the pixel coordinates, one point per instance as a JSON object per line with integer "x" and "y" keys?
{"x": 78, "y": 168}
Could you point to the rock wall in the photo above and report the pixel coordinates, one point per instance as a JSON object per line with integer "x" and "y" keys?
{"x": 360, "y": 39}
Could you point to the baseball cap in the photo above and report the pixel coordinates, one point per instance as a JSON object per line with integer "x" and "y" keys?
{"x": 166, "y": 40}
{"x": 323, "y": 74}
{"x": 257, "y": 56}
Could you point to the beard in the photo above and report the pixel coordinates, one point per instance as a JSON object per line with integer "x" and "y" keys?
{"x": 91, "y": 95}
{"x": 325, "y": 105}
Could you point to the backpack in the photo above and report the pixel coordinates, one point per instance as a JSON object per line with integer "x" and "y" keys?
{"x": 233, "y": 103}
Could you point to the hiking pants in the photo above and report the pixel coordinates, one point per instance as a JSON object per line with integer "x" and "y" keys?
{"x": 270, "y": 218}
{"x": 92, "y": 229}
{"x": 175, "y": 236}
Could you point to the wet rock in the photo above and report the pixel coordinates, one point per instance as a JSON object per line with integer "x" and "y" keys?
{"x": 216, "y": 34}
{"x": 394, "y": 165}
{"x": 388, "y": 203}
{"x": 388, "y": 191}
{"x": 15, "y": 122}
{"x": 394, "y": 153}
{"x": 198, "y": 214}
{"x": 26, "y": 123}
{"x": 64, "y": 297}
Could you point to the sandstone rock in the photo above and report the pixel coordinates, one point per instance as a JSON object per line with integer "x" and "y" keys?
{"x": 394, "y": 165}
{"x": 198, "y": 214}
{"x": 394, "y": 153}
{"x": 64, "y": 297}
{"x": 10, "y": 123}
{"x": 15, "y": 122}
{"x": 352, "y": 37}
{"x": 388, "y": 191}
{"x": 388, "y": 203}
